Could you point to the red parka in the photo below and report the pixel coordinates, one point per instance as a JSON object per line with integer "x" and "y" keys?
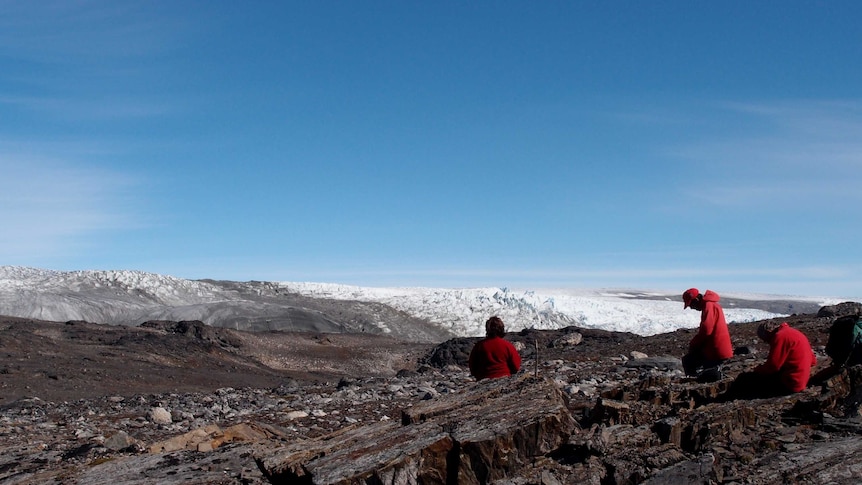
{"x": 790, "y": 356}
{"x": 713, "y": 338}
{"x": 494, "y": 357}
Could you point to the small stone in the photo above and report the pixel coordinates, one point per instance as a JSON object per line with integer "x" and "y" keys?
{"x": 296, "y": 415}
{"x": 569, "y": 340}
{"x": 160, "y": 415}
{"x": 119, "y": 441}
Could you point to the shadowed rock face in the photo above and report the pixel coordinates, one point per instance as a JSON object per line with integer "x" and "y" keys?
{"x": 485, "y": 433}
{"x": 177, "y": 402}
{"x": 841, "y": 309}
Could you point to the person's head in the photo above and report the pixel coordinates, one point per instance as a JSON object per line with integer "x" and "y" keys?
{"x": 494, "y": 327}
{"x": 767, "y": 329}
{"x": 692, "y": 298}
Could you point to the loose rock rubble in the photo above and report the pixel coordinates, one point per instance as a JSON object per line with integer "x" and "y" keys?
{"x": 624, "y": 414}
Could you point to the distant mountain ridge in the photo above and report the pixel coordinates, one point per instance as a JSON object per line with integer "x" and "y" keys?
{"x": 127, "y": 297}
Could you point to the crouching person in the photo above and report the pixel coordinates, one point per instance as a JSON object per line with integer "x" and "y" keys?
{"x": 711, "y": 346}
{"x": 493, "y": 356}
{"x": 787, "y": 367}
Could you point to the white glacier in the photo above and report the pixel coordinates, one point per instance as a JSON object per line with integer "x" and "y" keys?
{"x": 464, "y": 311}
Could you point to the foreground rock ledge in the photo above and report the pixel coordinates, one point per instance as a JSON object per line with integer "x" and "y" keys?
{"x": 488, "y": 432}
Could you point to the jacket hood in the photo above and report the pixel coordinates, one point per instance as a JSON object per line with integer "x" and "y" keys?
{"x": 767, "y": 330}
{"x": 711, "y": 296}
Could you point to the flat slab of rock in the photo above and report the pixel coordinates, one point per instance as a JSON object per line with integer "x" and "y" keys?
{"x": 664, "y": 362}
{"x": 838, "y": 461}
{"x": 211, "y": 437}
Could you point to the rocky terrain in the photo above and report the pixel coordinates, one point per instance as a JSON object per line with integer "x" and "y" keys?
{"x": 182, "y": 402}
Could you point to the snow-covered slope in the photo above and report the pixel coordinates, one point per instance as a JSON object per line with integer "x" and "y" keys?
{"x": 427, "y": 314}
{"x": 98, "y": 296}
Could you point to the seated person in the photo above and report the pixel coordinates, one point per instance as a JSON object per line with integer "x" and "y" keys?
{"x": 787, "y": 367}
{"x": 492, "y": 356}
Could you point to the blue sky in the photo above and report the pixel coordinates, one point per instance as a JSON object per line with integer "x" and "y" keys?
{"x": 656, "y": 145}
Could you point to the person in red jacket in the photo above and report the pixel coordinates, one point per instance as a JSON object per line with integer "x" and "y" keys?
{"x": 711, "y": 346}
{"x": 492, "y": 356}
{"x": 790, "y": 356}
{"x": 787, "y": 367}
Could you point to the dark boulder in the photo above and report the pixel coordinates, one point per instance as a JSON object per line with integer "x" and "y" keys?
{"x": 455, "y": 351}
{"x": 197, "y": 330}
{"x": 840, "y": 310}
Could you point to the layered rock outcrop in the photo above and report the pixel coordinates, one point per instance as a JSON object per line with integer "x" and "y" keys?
{"x": 489, "y": 432}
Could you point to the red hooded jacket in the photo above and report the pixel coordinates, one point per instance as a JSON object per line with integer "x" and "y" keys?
{"x": 713, "y": 338}
{"x": 494, "y": 357}
{"x": 790, "y": 356}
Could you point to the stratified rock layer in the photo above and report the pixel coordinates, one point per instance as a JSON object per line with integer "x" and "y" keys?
{"x": 488, "y": 432}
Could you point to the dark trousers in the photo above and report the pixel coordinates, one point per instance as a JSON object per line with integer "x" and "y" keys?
{"x": 693, "y": 362}
{"x": 749, "y": 385}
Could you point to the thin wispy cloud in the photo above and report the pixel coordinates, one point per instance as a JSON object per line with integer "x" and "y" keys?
{"x": 87, "y": 60}
{"x": 776, "y": 195}
{"x": 803, "y": 154}
{"x": 72, "y": 32}
{"x": 799, "y": 138}
{"x": 49, "y": 206}
{"x": 80, "y": 109}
